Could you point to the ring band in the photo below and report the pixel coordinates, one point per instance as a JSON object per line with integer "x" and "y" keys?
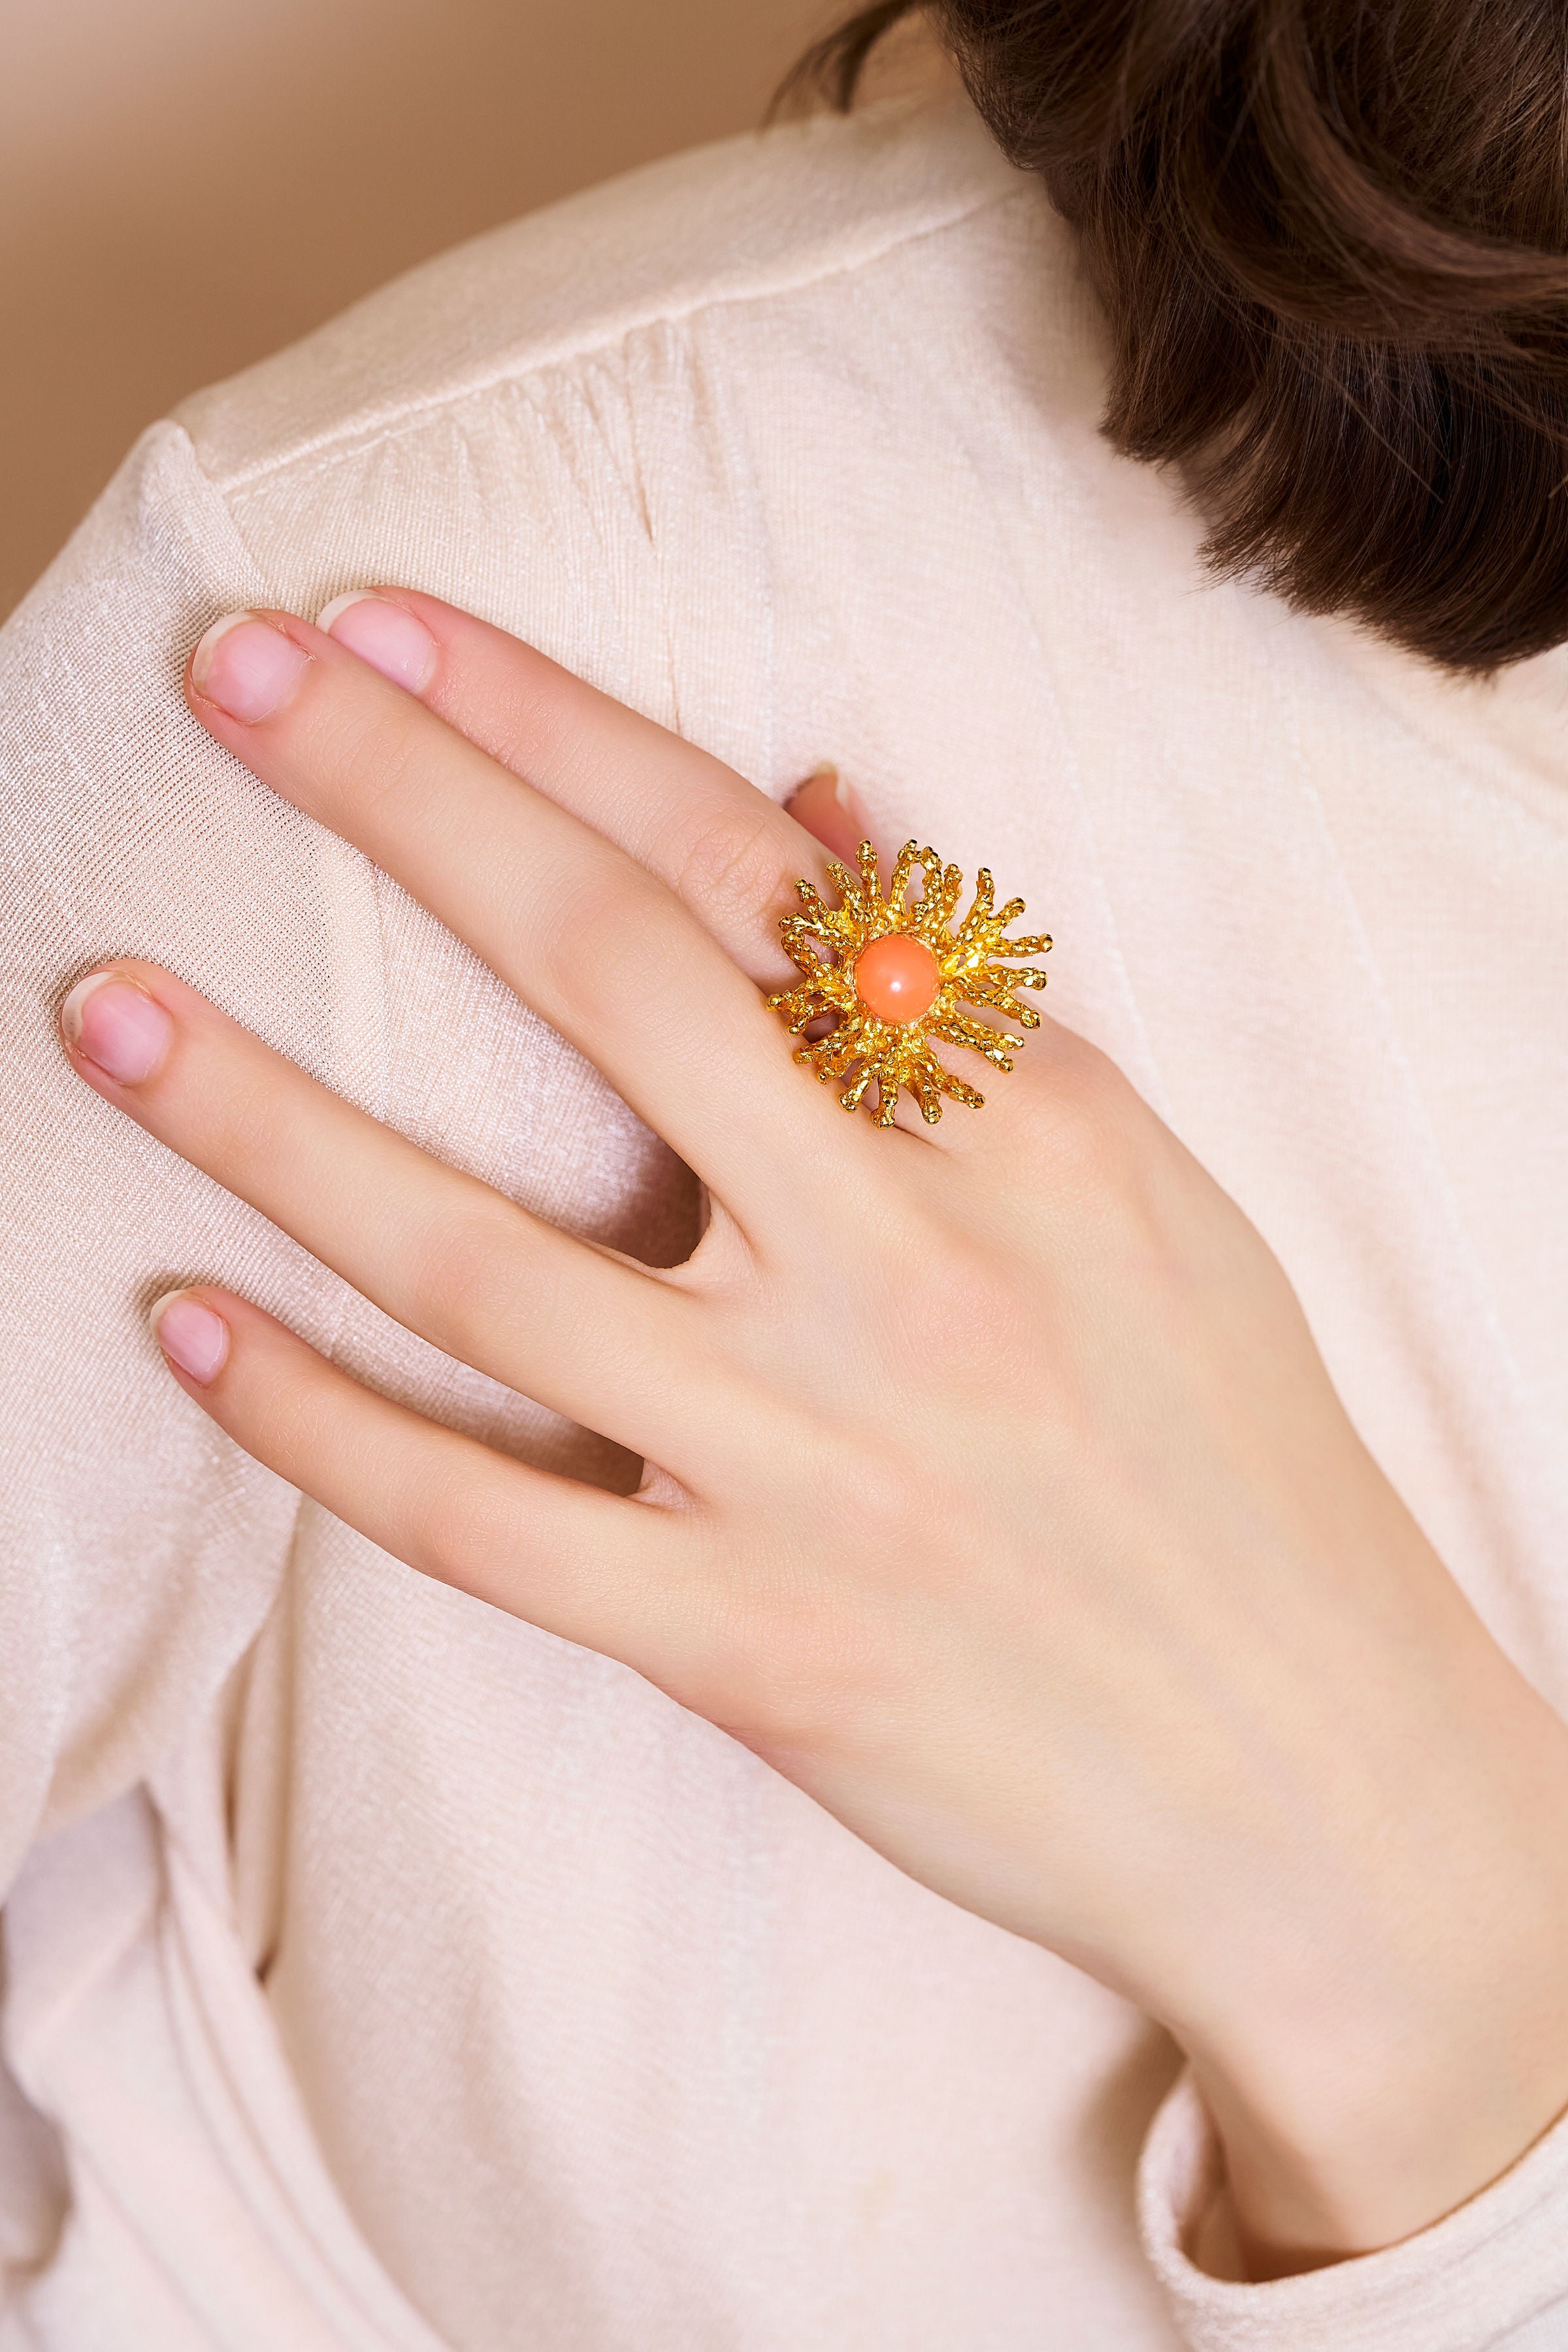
{"x": 893, "y": 973}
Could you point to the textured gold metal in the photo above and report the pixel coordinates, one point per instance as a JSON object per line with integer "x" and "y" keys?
{"x": 892, "y": 1055}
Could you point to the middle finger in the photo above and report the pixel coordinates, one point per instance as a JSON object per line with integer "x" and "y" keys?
{"x": 729, "y": 853}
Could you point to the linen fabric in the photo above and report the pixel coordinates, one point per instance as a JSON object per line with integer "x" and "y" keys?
{"x": 382, "y": 1975}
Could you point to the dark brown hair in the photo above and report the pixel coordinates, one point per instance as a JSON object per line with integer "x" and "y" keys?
{"x": 1330, "y": 238}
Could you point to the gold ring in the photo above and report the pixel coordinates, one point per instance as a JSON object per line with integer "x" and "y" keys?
{"x": 893, "y": 973}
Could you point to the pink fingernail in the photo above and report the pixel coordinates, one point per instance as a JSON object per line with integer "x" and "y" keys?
{"x": 118, "y": 1026}
{"x": 190, "y": 1335}
{"x": 247, "y": 667}
{"x": 385, "y": 635}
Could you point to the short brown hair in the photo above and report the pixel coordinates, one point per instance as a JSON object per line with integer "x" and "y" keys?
{"x": 1330, "y": 237}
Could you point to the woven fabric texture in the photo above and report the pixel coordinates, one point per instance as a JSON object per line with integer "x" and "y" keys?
{"x": 380, "y": 1972}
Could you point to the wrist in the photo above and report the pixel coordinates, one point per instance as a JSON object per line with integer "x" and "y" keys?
{"x": 1395, "y": 2037}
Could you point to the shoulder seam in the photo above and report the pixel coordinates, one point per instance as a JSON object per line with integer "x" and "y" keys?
{"x": 370, "y": 427}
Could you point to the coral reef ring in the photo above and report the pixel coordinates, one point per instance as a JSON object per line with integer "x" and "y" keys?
{"x": 894, "y": 973}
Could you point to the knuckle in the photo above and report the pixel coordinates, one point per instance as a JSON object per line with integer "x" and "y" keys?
{"x": 973, "y": 1313}
{"x": 361, "y": 753}
{"x": 249, "y": 1134}
{"x": 605, "y": 943}
{"x": 790, "y": 1666}
{"x": 1081, "y": 1117}
{"x": 536, "y": 731}
{"x": 458, "y": 1530}
{"x": 963, "y": 1309}
{"x": 471, "y": 1268}
{"x": 285, "y": 1425}
{"x": 734, "y": 870}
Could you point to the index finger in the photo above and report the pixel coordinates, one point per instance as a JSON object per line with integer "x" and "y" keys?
{"x": 729, "y": 853}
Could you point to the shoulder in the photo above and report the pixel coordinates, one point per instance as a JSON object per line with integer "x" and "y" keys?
{"x": 751, "y": 222}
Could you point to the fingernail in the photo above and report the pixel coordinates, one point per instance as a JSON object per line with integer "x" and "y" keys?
{"x": 385, "y": 635}
{"x": 117, "y": 1027}
{"x": 190, "y": 1335}
{"x": 248, "y": 668}
{"x": 828, "y": 807}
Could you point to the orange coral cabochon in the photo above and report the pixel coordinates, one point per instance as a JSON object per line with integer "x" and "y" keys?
{"x": 897, "y": 978}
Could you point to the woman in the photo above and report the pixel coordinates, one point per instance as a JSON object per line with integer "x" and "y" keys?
{"x": 776, "y": 1909}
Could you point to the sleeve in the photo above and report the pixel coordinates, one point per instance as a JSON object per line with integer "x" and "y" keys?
{"x": 1491, "y": 2277}
{"x": 137, "y": 1558}
{"x": 154, "y": 2150}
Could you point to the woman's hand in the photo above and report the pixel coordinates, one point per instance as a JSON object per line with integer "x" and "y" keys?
{"x": 996, "y": 1492}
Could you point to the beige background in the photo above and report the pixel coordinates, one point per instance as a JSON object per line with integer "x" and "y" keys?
{"x": 184, "y": 185}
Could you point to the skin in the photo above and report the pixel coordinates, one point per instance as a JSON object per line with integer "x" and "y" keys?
{"x": 998, "y": 1495}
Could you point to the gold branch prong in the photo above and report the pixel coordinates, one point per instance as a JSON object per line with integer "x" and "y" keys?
{"x": 867, "y": 1048}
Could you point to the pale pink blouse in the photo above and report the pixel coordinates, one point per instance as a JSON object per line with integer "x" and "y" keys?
{"x": 382, "y": 1975}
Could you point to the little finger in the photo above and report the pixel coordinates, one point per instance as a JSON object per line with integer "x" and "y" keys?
{"x": 608, "y": 1343}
